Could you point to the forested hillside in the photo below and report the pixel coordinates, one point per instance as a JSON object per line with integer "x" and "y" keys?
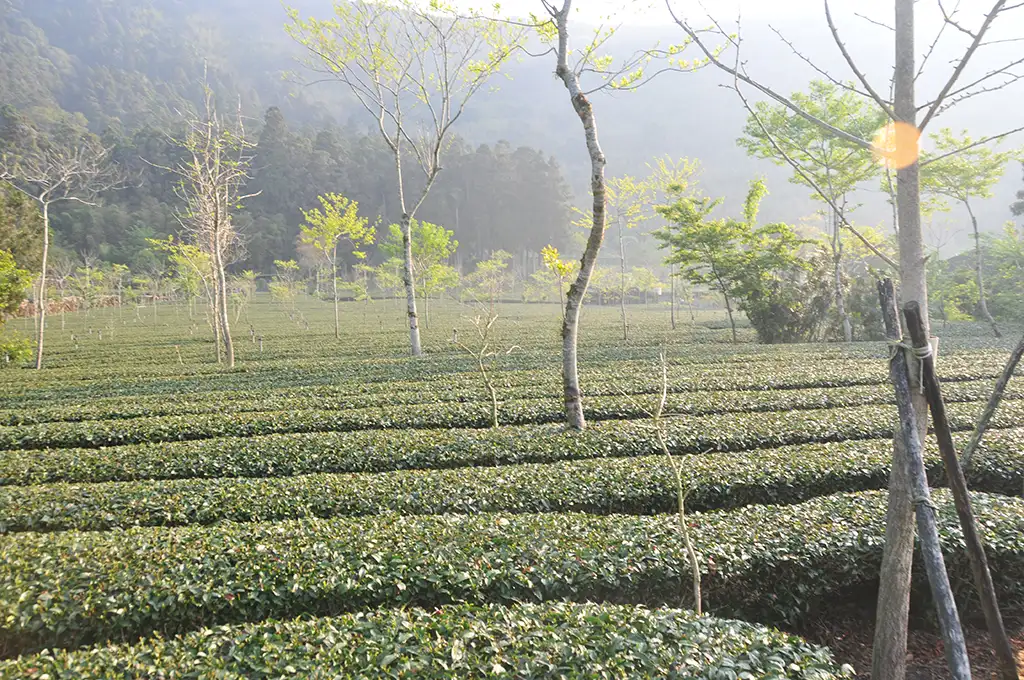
{"x": 127, "y": 69}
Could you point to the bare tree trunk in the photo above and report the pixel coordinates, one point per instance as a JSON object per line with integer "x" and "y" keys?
{"x": 982, "y": 304}
{"x": 732, "y": 322}
{"x": 672, "y": 299}
{"x": 41, "y": 303}
{"x": 908, "y": 431}
{"x": 622, "y": 283}
{"x": 214, "y": 309}
{"x": 334, "y": 282}
{"x": 890, "y": 639}
{"x": 837, "y": 260}
{"x": 574, "y": 300}
{"x": 229, "y": 348}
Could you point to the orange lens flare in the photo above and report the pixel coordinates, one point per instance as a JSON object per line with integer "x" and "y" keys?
{"x": 897, "y": 145}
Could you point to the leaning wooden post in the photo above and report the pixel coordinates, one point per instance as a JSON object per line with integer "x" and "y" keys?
{"x": 958, "y": 485}
{"x": 931, "y": 550}
{"x": 993, "y": 403}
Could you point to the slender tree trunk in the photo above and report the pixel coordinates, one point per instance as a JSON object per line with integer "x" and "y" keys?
{"x": 931, "y": 548}
{"x": 890, "y": 639}
{"x": 229, "y": 347}
{"x": 672, "y": 299}
{"x": 407, "y": 264}
{"x": 41, "y": 303}
{"x": 837, "y": 261}
{"x": 215, "y": 310}
{"x": 574, "y": 300}
{"x": 334, "y": 283}
{"x": 622, "y": 283}
{"x": 732, "y": 322}
{"x": 982, "y": 303}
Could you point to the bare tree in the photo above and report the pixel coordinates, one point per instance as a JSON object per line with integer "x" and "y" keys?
{"x": 50, "y": 172}
{"x": 414, "y": 70}
{"x": 213, "y": 175}
{"x": 889, "y": 652}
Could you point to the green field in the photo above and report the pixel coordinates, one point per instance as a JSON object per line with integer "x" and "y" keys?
{"x": 334, "y": 508}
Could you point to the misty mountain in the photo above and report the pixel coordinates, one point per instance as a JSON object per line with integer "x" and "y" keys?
{"x": 133, "y": 63}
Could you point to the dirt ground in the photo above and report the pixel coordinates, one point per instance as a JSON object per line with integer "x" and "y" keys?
{"x": 849, "y": 632}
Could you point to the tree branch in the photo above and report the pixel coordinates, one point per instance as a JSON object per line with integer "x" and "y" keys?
{"x": 886, "y": 106}
{"x": 986, "y": 140}
{"x": 713, "y": 58}
{"x": 989, "y": 18}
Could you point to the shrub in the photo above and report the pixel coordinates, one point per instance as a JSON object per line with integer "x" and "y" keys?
{"x": 551, "y": 640}
{"x": 763, "y": 563}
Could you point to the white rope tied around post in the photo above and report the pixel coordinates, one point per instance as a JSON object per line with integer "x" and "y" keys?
{"x": 920, "y": 353}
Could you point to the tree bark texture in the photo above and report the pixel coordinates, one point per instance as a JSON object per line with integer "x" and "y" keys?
{"x": 622, "y": 284}
{"x": 837, "y": 261}
{"x": 958, "y": 485}
{"x": 41, "y": 302}
{"x": 980, "y": 275}
{"x": 334, "y": 283}
{"x": 574, "y": 299}
{"x": 931, "y": 549}
{"x": 890, "y": 640}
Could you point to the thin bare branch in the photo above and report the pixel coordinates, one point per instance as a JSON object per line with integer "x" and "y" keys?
{"x": 713, "y": 58}
{"x": 886, "y": 106}
{"x": 986, "y": 24}
{"x": 807, "y": 60}
{"x": 874, "y": 21}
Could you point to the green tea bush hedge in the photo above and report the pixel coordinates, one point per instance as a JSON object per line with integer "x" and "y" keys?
{"x": 384, "y": 450}
{"x": 645, "y": 485}
{"x": 553, "y": 640}
{"x": 762, "y": 563}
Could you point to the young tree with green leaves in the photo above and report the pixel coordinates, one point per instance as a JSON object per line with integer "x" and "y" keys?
{"x": 431, "y": 246}
{"x": 414, "y": 68}
{"x": 560, "y": 270}
{"x": 285, "y": 286}
{"x": 966, "y": 177}
{"x": 755, "y": 268}
{"x": 326, "y": 230}
{"x": 626, "y": 204}
{"x": 707, "y": 251}
{"x": 490, "y": 279}
{"x": 826, "y": 162}
{"x": 14, "y": 284}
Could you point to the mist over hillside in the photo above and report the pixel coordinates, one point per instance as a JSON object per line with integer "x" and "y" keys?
{"x": 133, "y": 63}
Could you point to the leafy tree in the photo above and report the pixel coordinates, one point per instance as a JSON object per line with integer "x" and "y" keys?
{"x": 490, "y": 279}
{"x": 14, "y": 285}
{"x": 754, "y": 267}
{"x": 965, "y": 177}
{"x": 560, "y": 271}
{"x": 1006, "y": 272}
{"x": 707, "y": 251}
{"x": 339, "y": 222}
{"x": 394, "y": 57}
{"x": 21, "y": 229}
{"x": 285, "y": 286}
{"x": 952, "y": 291}
{"x": 432, "y": 246}
{"x": 825, "y": 163}
{"x": 626, "y": 203}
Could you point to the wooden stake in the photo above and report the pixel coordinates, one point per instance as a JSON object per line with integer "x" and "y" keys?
{"x": 931, "y": 550}
{"x": 958, "y": 485}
